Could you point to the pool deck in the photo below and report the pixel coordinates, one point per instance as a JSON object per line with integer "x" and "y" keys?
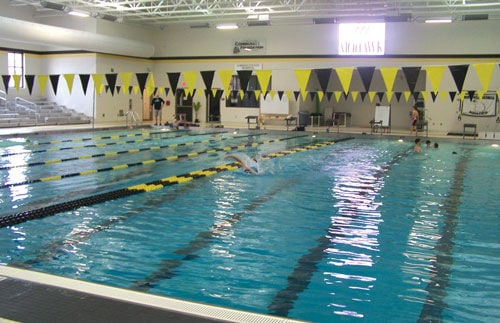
{"x": 28, "y": 296}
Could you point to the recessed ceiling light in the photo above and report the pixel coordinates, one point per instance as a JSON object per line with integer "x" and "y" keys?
{"x": 438, "y": 20}
{"x": 227, "y": 26}
{"x": 79, "y": 13}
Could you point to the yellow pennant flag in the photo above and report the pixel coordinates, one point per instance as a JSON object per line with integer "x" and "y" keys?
{"x": 214, "y": 92}
{"x": 69, "y": 81}
{"x": 320, "y": 95}
{"x": 288, "y": 94}
{"x": 263, "y": 76}
{"x": 42, "y": 83}
{"x": 190, "y": 77}
{"x": 225, "y": 77}
{"x": 480, "y": 94}
{"x": 242, "y": 94}
{"x": 126, "y": 78}
{"x": 150, "y": 84}
{"x": 345, "y": 77}
{"x": 17, "y": 79}
{"x": 389, "y": 76}
{"x": 337, "y": 95}
{"x": 462, "y": 95}
{"x": 354, "y": 95}
{"x": 389, "y": 96}
{"x": 425, "y": 95}
{"x": 406, "y": 95}
{"x": 435, "y": 74}
{"x": 484, "y": 72}
{"x": 97, "y": 79}
{"x": 371, "y": 95}
{"x": 257, "y": 93}
{"x": 303, "y": 78}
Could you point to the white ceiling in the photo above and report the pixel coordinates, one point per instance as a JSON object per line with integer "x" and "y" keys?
{"x": 199, "y": 13}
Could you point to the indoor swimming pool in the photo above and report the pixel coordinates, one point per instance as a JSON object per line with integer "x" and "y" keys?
{"x": 332, "y": 228}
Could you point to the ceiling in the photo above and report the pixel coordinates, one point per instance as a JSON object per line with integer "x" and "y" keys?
{"x": 203, "y": 13}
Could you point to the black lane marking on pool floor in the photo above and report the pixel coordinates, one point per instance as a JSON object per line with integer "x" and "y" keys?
{"x": 146, "y": 162}
{"x": 306, "y": 266}
{"x": 440, "y": 270}
{"x": 58, "y": 149}
{"x": 114, "y": 153}
{"x": 167, "y": 267}
{"x": 17, "y": 218}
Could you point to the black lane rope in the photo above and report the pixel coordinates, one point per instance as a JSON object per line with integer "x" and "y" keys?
{"x": 143, "y": 162}
{"x": 440, "y": 269}
{"x": 167, "y": 267}
{"x": 298, "y": 280}
{"x": 114, "y": 153}
{"x": 28, "y": 215}
{"x": 57, "y": 149}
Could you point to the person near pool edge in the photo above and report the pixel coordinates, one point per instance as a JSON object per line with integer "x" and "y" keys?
{"x": 157, "y": 103}
{"x": 418, "y": 145}
{"x": 414, "y": 115}
{"x": 249, "y": 169}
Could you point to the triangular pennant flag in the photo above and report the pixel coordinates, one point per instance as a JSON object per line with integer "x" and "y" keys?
{"x": 484, "y": 72}
{"x": 329, "y": 95}
{"x": 17, "y": 81}
{"x": 69, "y": 78}
{"x": 150, "y": 85}
{"x": 173, "y": 79}
{"x": 296, "y": 95}
{"x": 242, "y": 94}
{"x": 371, "y": 95}
{"x": 389, "y": 76}
{"x": 366, "y": 74}
{"x": 459, "y": 72}
{"x": 411, "y": 74}
{"x": 363, "y": 96}
{"x": 354, "y": 95}
{"x": 6, "y": 80}
{"x": 111, "y": 79}
{"x": 257, "y": 93}
{"x": 141, "y": 80}
{"x": 462, "y": 95}
{"x": 452, "y": 95}
{"x": 118, "y": 88}
{"x": 126, "y": 78}
{"x": 480, "y": 94}
{"x": 380, "y": 96}
{"x": 303, "y": 78}
{"x": 434, "y": 95}
{"x": 84, "y": 79}
{"x": 136, "y": 89}
{"x": 471, "y": 95}
{"x": 225, "y": 77}
{"x": 190, "y": 77}
{"x": 389, "y": 96}
{"x": 345, "y": 77}
{"x": 106, "y": 88}
{"x": 407, "y": 95}
{"x": 435, "y": 74}
{"x": 54, "y": 81}
{"x": 42, "y": 83}
{"x": 323, "y": 75}
{"x": 398, "y": 95}
{"x": 425, "y": 95}
{"x": 416, "y": 95}
{"x": 280, "y": 95}
{"x": 244, "y": 79}
{"x": 320, "y": 95}
{"x": 166, "y": 90}
{"x": 337, "y": 94}
{"x": 30, "y": 80}
{"x": 208, "y": 78}
{"x": 263, "y": 77}
{"x": 288, "y": 94}
{"x": 97, "y": 79}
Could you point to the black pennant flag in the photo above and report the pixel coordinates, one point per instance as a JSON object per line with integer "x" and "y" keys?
{"x": 141, "y": 79}
{"x": 30, "y": 81}
{"x": 452, "y": 95}
{"x": 323, "y": 75}
{"x": 173, "y": 78}
{"x": 398, "y": 95}
{"x": 434, "y": 96}
{"x": 380, "y": 96}
{"x": 296, "y": 95}
{"x": 244, "y": 79}
{"x": 54, "y": 81}
{"x": 366, "y": 74}
{"x": 84, "y": 79}
{"x": 111, "y": 79}
{"x": 208, "y": 78}
{"x": 411, "y": 74}
{"x": 458, "y": 72}
{"x": 6, "y": 80}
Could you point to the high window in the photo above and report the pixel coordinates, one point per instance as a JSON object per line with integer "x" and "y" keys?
{"x": 15, "y": 66}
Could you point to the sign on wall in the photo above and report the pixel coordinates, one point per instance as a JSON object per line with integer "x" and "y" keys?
{"x": 476, "y": 107}
{"x": 249, "y": 47}
{"x": 362, "y": 39}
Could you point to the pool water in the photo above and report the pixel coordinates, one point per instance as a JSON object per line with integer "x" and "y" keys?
{"x": 363, "y": 229}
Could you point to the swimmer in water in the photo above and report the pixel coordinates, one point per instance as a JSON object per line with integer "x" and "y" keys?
{"x": 247, "y": 168}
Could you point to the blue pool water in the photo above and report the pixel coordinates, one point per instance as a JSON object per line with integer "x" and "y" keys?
{"x": 363, "y": 229}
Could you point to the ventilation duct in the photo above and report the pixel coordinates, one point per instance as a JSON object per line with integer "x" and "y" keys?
{"x": 327, "y": 20}
{"x": 30, "y": 32}
{"x": 53, "y": 5}
{"x": 475, "y": 17}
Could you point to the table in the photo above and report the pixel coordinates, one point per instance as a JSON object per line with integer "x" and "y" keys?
{"x": 291, "y": 121}
{"x": 346, "y": 116}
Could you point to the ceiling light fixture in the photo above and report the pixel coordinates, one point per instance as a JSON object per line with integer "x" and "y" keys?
{"x": 438, "y": 20}
{"x": 79, "y": 13}
{"x": 227, "y": 26}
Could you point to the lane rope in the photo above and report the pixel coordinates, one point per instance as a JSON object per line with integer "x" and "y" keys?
{"x": 17, "y": 218}
{"x": 57, "y": 149}
{"x": 114, "y": 153}
{"x": 143, "y": 162}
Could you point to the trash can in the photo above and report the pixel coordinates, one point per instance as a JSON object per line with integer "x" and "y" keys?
{"x": 303, "y": 118}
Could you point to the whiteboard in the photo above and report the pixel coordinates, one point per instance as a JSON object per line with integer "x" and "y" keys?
{"x": 383, "y": 113}
{"x": 274, "y": 105}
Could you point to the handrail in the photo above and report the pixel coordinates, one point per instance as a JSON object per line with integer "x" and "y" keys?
{"x": 3, "y": 95}
{"x": 25, "y": 102}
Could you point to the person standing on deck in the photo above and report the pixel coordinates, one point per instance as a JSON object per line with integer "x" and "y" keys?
{"x": 157, "y": 103}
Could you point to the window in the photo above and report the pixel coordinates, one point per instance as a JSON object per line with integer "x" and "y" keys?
{"x": 248, "y": 99}
{"x": 15, "y": 66}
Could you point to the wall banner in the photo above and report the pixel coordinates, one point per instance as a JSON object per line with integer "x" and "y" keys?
{"x": 249, "y": 47}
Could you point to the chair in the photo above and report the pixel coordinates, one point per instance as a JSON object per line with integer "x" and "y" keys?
{"x": 472, "y": 126}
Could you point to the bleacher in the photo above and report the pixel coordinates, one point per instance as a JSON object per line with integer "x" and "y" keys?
{"x": 23, "y": 113}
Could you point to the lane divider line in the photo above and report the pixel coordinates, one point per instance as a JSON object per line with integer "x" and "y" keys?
{"x": 17, "y": 218}
{"x": 169, "y": 158}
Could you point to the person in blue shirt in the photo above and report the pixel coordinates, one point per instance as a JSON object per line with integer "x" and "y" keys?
{"x": 157, "y": 103}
